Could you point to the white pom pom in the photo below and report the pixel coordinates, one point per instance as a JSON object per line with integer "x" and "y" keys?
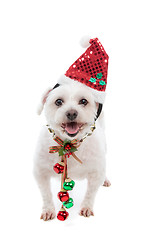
{"x": 85, "y": 41}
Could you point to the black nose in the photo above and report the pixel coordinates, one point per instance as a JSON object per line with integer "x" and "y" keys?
{"x": 71, "y": 115}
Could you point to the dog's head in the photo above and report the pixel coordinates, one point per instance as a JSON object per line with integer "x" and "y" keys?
{"x": 70, "y": 109}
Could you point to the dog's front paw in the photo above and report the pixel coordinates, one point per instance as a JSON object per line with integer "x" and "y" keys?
{"x": 86, "y": 212}
{"x": 48, "y": 215}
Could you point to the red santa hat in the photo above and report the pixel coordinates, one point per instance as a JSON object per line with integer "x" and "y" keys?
{"x": 90, "y": 68}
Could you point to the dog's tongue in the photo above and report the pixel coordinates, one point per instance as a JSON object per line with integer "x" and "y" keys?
{"x": 72, "y": 127}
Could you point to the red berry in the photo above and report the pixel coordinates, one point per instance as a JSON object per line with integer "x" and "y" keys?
{"x": 68, "y": 154}
{"x": 63, "y": 196}
{"x": 67, "y": 147}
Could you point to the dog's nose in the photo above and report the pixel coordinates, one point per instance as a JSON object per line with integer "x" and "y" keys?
{"x": 71, "y": 115}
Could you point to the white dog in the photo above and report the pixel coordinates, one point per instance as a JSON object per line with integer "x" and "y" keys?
{"x": 70, "y": 110}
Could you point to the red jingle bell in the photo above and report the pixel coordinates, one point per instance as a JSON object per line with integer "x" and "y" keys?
{"x": 62, "y": 214}
{"x": 59, "y": 167}
{"x": 63, "y": 196}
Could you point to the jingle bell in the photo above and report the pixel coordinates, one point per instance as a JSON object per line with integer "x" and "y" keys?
{"x": 63, "y": 196}
{"x": 69, "y": 203}
{"x": 59, "y": 167}
{"x": 62, "y": 214}
{"x": 68, "y": 184}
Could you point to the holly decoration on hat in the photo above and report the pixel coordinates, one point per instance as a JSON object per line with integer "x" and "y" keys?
{"x": 99, "y": 77}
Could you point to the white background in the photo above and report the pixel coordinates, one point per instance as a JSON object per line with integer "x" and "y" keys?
{"x": 39, "y": 40}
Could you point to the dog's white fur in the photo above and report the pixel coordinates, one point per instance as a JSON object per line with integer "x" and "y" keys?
{"x": 91, "y": 152}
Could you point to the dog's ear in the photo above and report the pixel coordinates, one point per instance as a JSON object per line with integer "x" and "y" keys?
{"x": 99, "y": 109}
{"x": 44, "y": 97}
{"x": 43, "y": 100}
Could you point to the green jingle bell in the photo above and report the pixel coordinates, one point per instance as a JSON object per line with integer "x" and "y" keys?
{"x": 68, "y": 184}
{"x": 69, "y": 203}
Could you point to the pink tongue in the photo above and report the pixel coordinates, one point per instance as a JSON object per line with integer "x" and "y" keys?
{"x": 72, "y": 128}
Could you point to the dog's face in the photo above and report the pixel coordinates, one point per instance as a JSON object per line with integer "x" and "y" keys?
{"x": 70, "y": 110}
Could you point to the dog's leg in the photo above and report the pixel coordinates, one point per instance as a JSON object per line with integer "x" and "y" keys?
{"x": 43, "y": 181}
{"x": 94, "y": 182}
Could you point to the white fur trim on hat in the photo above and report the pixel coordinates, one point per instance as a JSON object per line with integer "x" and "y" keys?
{"x": 98, "y": 95}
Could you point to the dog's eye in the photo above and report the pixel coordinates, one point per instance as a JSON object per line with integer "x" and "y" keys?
{"x": 83, "y": 102}
{"x": 59, "y": 102}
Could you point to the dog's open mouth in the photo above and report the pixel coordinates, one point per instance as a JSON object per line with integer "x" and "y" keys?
{"x": 72, "y": 128}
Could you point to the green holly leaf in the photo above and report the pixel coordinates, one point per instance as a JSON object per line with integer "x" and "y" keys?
{"x": 102, "y": 82}
{"x": 66, "y": 141}
{"x": 62, "y": 151}
{"x": 93, "y": 80}
{"x": 73, "y": 149}
{"x": 99, "y": 75}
